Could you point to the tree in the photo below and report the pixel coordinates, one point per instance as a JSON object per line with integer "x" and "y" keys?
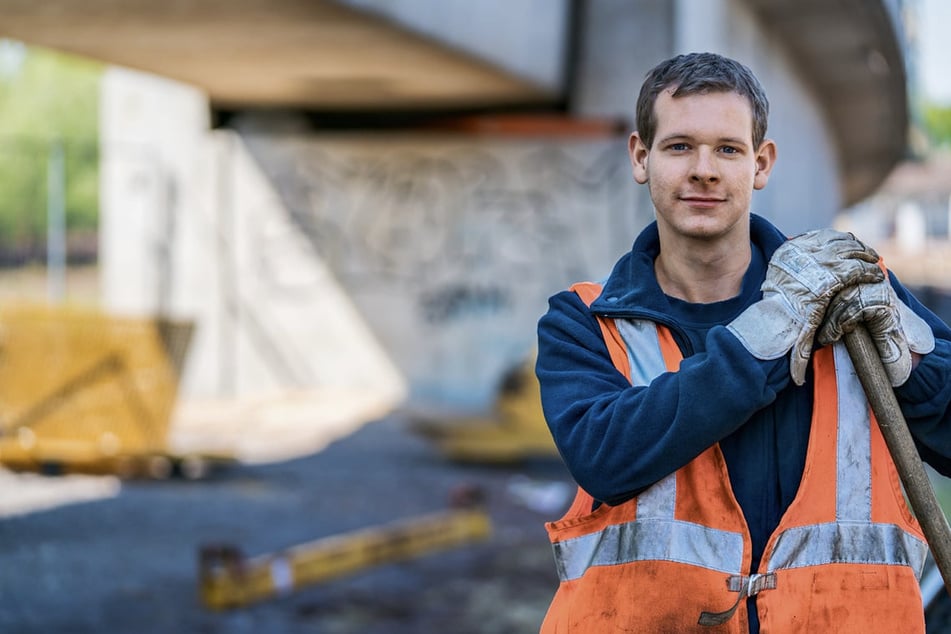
{"x": 937, "y": 123}
{"x": 46, "y": 99}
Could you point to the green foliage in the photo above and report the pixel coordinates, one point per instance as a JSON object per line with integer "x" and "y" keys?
{"x": 937, "y": 123}
{"x": 46, "y": 99}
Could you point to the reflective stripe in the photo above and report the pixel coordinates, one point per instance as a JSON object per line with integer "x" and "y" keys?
{"x": 843, "y": 543}
{"x": 852, "y": 538}
{"x": 647, "y": 362}
{"x": 659, "y": 500}
{"x": 650, "y": 540}
{"x": 853, "y": 493}
{"x": 643, "y": 349}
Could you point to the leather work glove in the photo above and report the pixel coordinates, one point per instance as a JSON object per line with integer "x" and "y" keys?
{"x": 803, "y": 276}
{"x": 896, "y": 330}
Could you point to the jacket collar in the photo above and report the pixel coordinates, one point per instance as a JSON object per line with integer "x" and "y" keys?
{"x": 632, "y": 286}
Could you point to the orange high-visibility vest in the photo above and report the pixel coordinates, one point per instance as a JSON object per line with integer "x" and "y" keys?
{"x": 846, "y": 556}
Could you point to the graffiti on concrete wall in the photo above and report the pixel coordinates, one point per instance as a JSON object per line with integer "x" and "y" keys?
{"x": 463, "y": 228}
{"x": 448, "y": 303}
{"x": 448, "y": 248}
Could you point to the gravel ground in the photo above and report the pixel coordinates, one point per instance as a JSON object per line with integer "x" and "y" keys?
{"x": 127, "y": 562}
{"x": 123, "y": 558}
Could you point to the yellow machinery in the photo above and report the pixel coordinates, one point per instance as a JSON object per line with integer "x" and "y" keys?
{"x": 516, "y": 429}
{"x": 83, "y": 391}
{"x": 229, "y": 580}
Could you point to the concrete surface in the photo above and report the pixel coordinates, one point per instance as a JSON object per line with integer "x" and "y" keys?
{"x": 124, "y": 558}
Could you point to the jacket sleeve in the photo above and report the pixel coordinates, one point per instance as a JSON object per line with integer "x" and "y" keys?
{"x": 617, "y": 439}
{"x": 925, "y": 399}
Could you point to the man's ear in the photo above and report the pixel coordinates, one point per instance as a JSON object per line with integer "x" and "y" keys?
{"x": 765, "y": 159}
{"x": 638, "y": 153}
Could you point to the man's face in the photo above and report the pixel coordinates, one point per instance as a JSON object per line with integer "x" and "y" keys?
{"x": 702, "y": 168}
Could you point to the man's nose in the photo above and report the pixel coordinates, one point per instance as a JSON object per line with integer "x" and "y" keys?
{"x": 704, "y": 168}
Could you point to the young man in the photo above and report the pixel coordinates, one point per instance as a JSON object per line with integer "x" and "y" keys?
{"x": 729, "y": 476}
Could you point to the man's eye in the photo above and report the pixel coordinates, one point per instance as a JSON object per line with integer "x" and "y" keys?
{"x": 726, "y": 149}
{"x": 678, "y": 147}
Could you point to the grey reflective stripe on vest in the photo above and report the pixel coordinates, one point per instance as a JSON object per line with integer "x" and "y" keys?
{"x": 647, "y": 362}
{"x": 643, "y": 349}
{"x": 853, "y": 538}
{"x": 842, "y": 543}
{"x": 650, "y": 540}
{"x": 655, "y": 535}
{"x": 853, "y": 493}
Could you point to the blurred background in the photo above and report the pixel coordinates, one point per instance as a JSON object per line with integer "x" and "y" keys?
{"x": 270, "y": 273}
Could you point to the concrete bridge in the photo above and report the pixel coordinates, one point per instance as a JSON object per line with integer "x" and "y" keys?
{"x": 381, "y": 194}
{"x": 359, "y": 56}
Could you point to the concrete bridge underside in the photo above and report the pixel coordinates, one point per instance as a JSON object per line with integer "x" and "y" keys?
{"x": 304, "y": 54}
{"x": 360, "y": 56}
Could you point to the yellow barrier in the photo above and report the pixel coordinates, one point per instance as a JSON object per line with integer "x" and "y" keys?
{"x": 82, "y": 390}
{"x": 228, "y": 580}
{"x": 515, "y": 430}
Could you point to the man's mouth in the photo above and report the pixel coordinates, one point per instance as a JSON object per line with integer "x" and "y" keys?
{"x": 701, "y": 201}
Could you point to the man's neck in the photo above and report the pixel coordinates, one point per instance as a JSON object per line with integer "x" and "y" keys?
{"x": 702, "y": 272}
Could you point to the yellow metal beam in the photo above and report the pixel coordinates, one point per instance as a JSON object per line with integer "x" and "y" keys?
{"x": 228, "y": 580}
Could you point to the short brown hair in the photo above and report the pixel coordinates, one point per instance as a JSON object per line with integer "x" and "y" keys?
{"x": 698, "y": 73}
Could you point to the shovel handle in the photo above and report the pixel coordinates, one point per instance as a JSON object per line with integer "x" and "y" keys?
{"x": 901, "y": 446}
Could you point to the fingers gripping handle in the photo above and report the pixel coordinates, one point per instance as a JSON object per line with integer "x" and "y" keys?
{"x": 901, "y": 446}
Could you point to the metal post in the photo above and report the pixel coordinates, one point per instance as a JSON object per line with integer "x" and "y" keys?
{"x": 56, "y": 224}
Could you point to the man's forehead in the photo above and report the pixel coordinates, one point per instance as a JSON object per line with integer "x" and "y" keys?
{"x": 726, "y": 111}
{"x": 669, "y": 94}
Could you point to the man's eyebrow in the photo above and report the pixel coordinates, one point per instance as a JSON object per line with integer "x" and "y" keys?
{"x": 683, "y": 136}
{"x": 675, "y": 137}
{"x": 734, "y": 140}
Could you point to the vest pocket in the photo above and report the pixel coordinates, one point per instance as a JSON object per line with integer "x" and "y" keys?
{"x": 855, "y": 580}
{"x": 842, "y": 597}
{"x": 856, "y": 598}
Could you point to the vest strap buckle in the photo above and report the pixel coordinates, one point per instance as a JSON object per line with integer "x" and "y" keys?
{"x": 751, "y": 585}
{"x": 745, "y": 586}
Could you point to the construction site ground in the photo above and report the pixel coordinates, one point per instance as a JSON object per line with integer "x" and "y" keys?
{"x": 99, "y": 556}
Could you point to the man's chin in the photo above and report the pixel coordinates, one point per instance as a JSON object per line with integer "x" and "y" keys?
{"x": 704, "y": 230}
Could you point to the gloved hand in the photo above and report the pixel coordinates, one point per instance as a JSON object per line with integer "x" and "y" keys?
{"x": 896, "y": 330}
{"x": 803, "y": 275}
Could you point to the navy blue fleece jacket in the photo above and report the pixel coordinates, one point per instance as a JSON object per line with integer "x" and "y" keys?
{"x": 617, "y": 439}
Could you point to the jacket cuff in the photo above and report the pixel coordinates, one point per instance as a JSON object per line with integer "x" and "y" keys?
{"x": 775, "y": 371}
{"x": 931, "y": 377}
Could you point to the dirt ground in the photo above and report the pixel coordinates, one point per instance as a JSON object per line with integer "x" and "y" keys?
{"x": 123, "y": 557}
{"x": 127, "y": 560}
